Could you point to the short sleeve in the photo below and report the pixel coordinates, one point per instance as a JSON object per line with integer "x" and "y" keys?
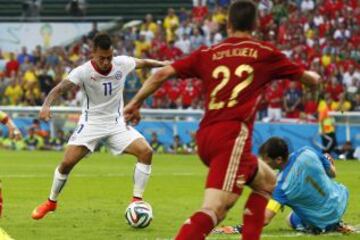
{"x": 75, "y": 76}
{"x": 127, "y": 63}
{"x": 282, "y": 68}
{"x": 187, "y": 67}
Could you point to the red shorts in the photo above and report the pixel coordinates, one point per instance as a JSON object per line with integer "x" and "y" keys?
{"x": 226, "y": 149}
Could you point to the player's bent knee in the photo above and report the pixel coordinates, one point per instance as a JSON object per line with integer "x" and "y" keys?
{"x": 220, "y": 208}
{"x": 145, "y": 155}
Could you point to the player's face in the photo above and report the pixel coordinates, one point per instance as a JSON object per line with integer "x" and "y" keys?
{"x": 103, "y": 58}
{"x": 273, "y": 163}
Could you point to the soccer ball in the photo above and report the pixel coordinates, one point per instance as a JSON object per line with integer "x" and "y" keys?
{"x": 139, "y": 214}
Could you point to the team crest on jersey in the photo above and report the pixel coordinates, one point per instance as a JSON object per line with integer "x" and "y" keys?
{"x": 118, "y": 75}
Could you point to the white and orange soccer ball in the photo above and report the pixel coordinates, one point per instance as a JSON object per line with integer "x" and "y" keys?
{"x": 139, "y": 214}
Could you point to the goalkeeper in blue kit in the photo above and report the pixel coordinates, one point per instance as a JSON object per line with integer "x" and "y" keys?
{"x": 305, "y": 184}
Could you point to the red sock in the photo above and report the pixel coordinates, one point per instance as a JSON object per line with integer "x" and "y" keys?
{"x": 254, "y": 216}
{"x": 196, "y": 228}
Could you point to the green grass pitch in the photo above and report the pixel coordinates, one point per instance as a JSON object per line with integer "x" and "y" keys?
{"x": 93, "y": 202}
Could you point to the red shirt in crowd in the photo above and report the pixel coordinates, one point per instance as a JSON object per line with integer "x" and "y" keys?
{"x": 12, "y": 65}
{"x": 189, "y": 93}
{"x": 170, "y": 52}
{"x": 274, "y": 96}
{"x": 335, "y": 90}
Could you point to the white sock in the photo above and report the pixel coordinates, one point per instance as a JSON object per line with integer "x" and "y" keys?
{"x": 141, "y": 176}
{"x": 58, "y": 183}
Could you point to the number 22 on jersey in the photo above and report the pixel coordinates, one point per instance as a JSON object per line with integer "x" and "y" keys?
{"x": 225, "y": 71}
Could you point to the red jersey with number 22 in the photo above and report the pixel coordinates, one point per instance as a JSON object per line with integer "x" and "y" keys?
{"x": 234, "y": 72}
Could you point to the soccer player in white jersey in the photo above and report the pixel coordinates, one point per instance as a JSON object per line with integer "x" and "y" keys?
{"x": 102, "y": 82}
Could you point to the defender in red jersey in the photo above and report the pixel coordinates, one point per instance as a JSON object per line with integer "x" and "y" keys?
{"x": 234, "y": 72}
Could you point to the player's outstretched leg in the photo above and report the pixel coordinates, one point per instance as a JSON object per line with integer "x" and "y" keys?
{"x": 215, "y": 206}
{"x": 142, "y": 150}
{"x": 73, "y": 155}
{"x": 254, "y": 211}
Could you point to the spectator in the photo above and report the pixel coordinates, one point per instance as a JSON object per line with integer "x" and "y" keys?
{"x": 76, "y": 8}
{"x": 307, "y": 5}
{"x": 199, "y": 10}
{"x": 191, "y": 147}
{"x": 183, "y": 43}
{"x": 32, "y": 141}
{"x": 334, "y": 88}
{"x": 349, "y": 75}
{"x": 173, "y": 92}
{"x": 171, "y": 23}
{"x": 13, "y": 93}
{"x": 196, "y": 39}
{"x": 342, "y": 105}
{"x": 141, "y": 46}
{"x": 185, "y": 28}
{"x": 171, "y": 52}
{"x": 132, "y": 85}
{"x": 149, "y": 25}
{"x": 346, "y": 152}
{"x": 38, "y": 130}
{"x": 58, "y": 143}
{"x": 292, "y": 101}
{"x": 189, "y": 94}
{"x": 177, "y": 146}
{"x": 12, "y": 65}
{"x": 24, "y": 55}
{"x": 310, "y": 107}
{"x": 157, "y": 146}
{"x": 219, "y": 16}
{"x": 274, "y": 95}
{"x": 4, "y": 83}
{"x": 327, "y": 125}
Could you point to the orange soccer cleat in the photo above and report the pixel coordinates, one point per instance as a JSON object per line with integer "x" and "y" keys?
{"x": 41, "y": 210}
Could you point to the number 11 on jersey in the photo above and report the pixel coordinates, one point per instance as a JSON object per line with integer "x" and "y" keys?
{"x": 107, "y": 88}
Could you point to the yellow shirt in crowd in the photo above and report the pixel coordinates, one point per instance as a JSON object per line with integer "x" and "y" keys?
{"x": 14, "y": 94}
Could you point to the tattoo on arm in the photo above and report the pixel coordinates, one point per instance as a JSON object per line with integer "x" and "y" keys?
{"x": 63, "y": 87}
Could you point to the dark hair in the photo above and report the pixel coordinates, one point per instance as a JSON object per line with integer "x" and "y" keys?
{"x": 242, "y": 15}
{"x": 102, "y": 40}
{"x": 274, "y": 147}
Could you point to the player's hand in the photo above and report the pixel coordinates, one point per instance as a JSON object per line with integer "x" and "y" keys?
{"x": 330, "y": 158}
{"x": 132, "y": 114}
{"x": 45, "y": 113}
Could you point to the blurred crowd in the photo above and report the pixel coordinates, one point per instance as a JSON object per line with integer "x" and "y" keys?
{"x": 321, "y": 35}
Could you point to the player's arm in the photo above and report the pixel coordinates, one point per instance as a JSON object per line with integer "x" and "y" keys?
{"x": 272, "y": 209}
{"x": 153, "y": 83}
{"x": 150, "y": 63}
{"x": 311, "y": 79}
{"x": 63, "y": 87}
{"x": 330, "y": 170}
{"x": 13, "y": 130}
